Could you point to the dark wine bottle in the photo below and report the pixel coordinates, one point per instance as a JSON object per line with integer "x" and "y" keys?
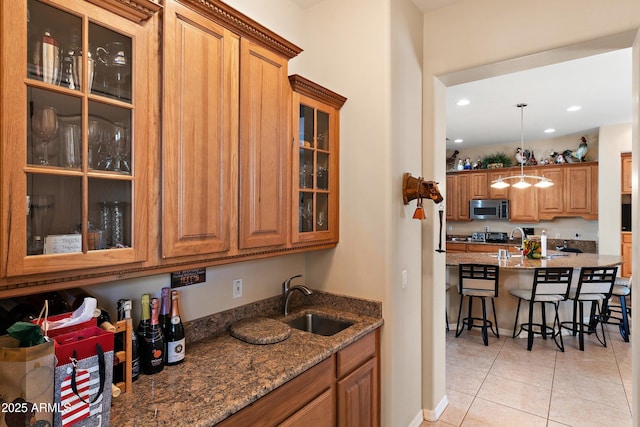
{"x": 124, "y": 312}
{"x": 12, "y": 311}
{"x": 175, "y": 333}
{"x": 145, "y": 318}
{"x": 153, "y": 345}
{"x": 103, "y": 319}
{"x": 165, "y": 313}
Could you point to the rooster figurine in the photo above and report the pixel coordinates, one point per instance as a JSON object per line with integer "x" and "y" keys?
{"x": 579, "y": 154}
{"x": 451, "y": 160}
{"x": 520, "y": 158}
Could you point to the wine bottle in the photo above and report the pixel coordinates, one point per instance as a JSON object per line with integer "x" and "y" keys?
{"x": 175, "y": 334}
{"x": 153, "y": 344}
{"x": 103, "y": 319}
{"x": 12, "y": 311}
{"x": 145, "y": 318}
{"x": 165, "y": 315}
{"x": 124, "y": 312}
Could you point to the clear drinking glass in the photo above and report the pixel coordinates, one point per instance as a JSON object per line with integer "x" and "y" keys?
{"x": 45, "y": 126}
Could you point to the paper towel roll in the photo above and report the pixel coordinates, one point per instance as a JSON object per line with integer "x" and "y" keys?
{"x": 543, "y": 244}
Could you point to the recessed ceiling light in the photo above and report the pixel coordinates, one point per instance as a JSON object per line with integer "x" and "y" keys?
{"x": 458, "y": 140}
{"x": 574, "y": 108}
{"x": 549, "y": 130}
{"x": 463, "y": 102}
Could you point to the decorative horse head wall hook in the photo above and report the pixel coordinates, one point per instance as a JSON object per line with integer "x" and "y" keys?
{"x": 417, "y": 188}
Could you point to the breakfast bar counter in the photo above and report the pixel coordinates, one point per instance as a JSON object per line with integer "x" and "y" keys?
{"x": 516, "y": 262}
{"x": 517, "y": 273}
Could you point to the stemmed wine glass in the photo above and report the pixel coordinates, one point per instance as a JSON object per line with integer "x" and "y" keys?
{"x": 120, "y": 145}
{"x": 94, "y": 134}
{"x": 45, "y": 125}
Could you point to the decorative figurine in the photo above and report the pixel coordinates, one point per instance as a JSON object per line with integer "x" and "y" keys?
{"x": 579, "y": 154}
{"x": 467, "y": 163}
{"x": 532, "y": 159}
{"x": 478, "y": 164}
{"x": 559, "y": 159}
{"x": 451, "y": 160}
{"x": 520, "y": 157}
{"x": 460, "y": 165}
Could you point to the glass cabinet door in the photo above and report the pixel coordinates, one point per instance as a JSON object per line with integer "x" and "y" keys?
{"x": 80, "y": 116}
{"x": 315, "y": 124}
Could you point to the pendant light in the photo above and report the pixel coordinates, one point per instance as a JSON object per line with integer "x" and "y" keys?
{"x": 522, "y": 178}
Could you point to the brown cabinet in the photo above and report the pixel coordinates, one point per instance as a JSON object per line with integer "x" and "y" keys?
{"x": 343, "y": 390}
{"x": 315, "y": 133}
{"x": 457, "y": 200}
{"x": 454, "y": 247}
{"x": 574, "y": 193}
{"x": 226, "y": 159}
{"x": 523, "y": 205}
{"x": 497, "y": 193}
{"x": 626, "y": 170}
{"x": 358, "y": 387}
{"x": 74, "y": 149}
{"x": 479, "y": 185}
{"x": 627, "y": 266}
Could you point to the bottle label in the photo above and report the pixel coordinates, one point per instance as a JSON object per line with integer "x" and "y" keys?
{"x": 135, "y": 367}
{"x": 175, "y": 351}
{"x": 175, "y": 320}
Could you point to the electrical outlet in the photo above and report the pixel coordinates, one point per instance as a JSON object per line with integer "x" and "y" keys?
{"x": 404, "y": 279}
{"x": 237, "y": 288}
{"x": 449, "y": 227}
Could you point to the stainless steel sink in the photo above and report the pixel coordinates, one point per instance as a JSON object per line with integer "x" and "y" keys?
{"x": 318, "y": 324}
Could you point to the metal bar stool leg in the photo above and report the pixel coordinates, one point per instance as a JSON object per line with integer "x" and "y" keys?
{"x": 515, "y": 325}
{"x": 485, "y": 337}
{"x": 624, "y": 326}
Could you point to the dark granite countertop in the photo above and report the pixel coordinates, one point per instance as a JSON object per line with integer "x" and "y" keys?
{"x": 222, "y": 374}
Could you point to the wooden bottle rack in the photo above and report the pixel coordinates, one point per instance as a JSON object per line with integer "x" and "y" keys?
{"x": 124, "y": 356}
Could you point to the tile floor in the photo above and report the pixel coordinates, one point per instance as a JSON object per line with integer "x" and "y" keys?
{"x": 506, "y": 385}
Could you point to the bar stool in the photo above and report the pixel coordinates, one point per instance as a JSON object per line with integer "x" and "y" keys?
{"x": 550, "y": 286}
{"x": 618, "y": 314}
{"x": 478, "y": 281}
{"x": 594, "y": 286}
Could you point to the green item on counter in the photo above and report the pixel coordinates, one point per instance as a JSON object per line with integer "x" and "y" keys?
{"x": 27, "y": 333}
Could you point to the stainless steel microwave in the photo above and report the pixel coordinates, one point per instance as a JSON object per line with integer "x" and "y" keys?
{"x": 489, "y": 209}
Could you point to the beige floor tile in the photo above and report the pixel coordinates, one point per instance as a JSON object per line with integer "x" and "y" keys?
{"x": 464, "y": 379}
{"x": 608, "y": 393}
{"x": 575, "y": 411}
{"x": 524, "y": 368}
{"x": 436, "y": 424}
{"x": 489, "y": 414}
{"x": 516, "y": 395}
{"x": 459, "y": 404}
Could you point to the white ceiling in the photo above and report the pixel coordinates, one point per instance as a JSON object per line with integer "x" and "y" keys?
{"x": 600, "y": 84}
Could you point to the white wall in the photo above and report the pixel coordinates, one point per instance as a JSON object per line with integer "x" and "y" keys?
{"x": 617, "y": 139}
{"x": 469, "y": 34}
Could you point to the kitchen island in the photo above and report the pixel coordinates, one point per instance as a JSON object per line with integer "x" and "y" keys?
{"x": 517, "y": 273}
{"x": 221, "y": 375}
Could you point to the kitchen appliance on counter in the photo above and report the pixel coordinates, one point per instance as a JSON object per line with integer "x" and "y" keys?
{"x": 489, "y": 209}
{"x": 489, "y": 237}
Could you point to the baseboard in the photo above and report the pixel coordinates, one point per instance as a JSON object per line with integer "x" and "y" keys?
{"x": 417, "y": 420}
{"x": 434, "y": 414}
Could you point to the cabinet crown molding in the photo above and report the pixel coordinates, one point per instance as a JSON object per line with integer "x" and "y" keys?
{"x": 133, "y": 10}
{"x": 307, "y": 87}
{"x": 229, "y": 17}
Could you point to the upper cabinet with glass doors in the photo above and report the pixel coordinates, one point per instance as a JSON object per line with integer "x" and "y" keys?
{"x": 316, "y": 129}
{"x": 73, "y": 129}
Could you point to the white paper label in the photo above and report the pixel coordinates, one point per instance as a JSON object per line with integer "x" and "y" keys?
{"x": 175, "y": 351}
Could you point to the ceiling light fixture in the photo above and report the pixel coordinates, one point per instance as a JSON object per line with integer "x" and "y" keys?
{"x": 458, "y": 140}
{"x": 574, "y": 108}
{"x": 522, "y": 183}
{"x": 463, "y": 102}
{"x": 549, "y": 130}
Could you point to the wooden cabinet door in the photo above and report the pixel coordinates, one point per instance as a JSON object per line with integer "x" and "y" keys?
{"x": 497, "y": 193}
{"x": 264, "y": 174}
{"x": 626, "y": 169}
{"x": 320, "y": 412}
{"x": 200, "y": 129}
{"x": 455, "y": 247}
{"x": 551, "y": 199}
{"x": 523, "y": 206}
{"x": 357, "y": 397}
{"x": 578, "y": 190}
{"x": 52, "y": 207}
{"x": 626, "y": 255}
{"x": 478, "y": 185}
{"x": 451, "y": 201}
{"x": 463, "y": 198}
{"x": 315, "y": 128}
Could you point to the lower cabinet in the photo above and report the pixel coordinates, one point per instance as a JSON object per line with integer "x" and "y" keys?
{"x": 626, "y": 254}
{"x": 343, "y": 390}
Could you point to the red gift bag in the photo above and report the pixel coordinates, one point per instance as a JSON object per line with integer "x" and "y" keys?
{"x": 83, "y": 377}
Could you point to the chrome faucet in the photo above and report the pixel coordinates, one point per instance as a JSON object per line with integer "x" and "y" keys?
{"x": 287, "y": 290}
{"x": 522, "y": 233}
